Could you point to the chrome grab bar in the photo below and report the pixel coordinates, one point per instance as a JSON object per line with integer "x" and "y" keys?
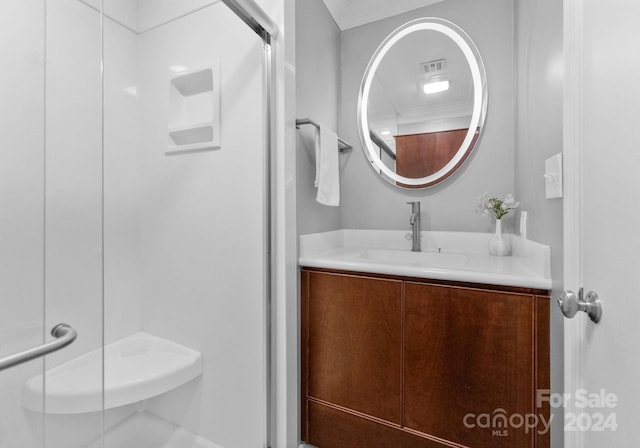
{"x": 64, "y": 335}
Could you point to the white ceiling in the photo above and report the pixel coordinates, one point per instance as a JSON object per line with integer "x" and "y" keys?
{"x": 352, "y": 13}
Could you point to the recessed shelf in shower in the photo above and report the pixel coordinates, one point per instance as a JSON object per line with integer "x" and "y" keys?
{"x": 194, "y": 110}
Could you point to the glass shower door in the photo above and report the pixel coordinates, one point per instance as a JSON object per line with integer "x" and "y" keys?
{"x": 22, "y": 323}
{"x": 133, "y": 207}
{"x": 50, "y": 220}
{"x": 74, "y": 149}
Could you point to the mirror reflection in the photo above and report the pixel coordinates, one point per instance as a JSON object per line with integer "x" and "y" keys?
{"x": 420, "y": 103}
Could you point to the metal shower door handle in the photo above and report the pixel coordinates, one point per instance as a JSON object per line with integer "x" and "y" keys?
{"x": 64, "y": 335}
{"x": 570, "y": 304}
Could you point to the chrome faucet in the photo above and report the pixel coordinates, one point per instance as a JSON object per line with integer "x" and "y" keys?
{"x": 415, "y": 226}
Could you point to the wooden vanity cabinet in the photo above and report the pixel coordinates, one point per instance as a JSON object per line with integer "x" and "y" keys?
{"x": 393, "y": 362}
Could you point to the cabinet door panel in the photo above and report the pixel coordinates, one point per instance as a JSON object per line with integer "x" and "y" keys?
{"x": 355, "y": 343}
{"x": 468, "y": 351}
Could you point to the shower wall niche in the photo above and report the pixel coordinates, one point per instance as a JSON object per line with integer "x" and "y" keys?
{"x": 194, "y": 109}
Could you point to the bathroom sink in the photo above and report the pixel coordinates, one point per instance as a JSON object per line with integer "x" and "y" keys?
{"x": 463, "y": 257}
{"x": 427, "y": 259}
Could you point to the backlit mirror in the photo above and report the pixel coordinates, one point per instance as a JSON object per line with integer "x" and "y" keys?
{"x": 422, "y": 103}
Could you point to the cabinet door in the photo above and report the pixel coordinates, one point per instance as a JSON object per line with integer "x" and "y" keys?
{"x": 469, "y": 358}
{"x": 354, "y": 340}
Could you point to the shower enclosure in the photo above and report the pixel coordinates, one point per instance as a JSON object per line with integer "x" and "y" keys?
{"x": 134, "y": 209}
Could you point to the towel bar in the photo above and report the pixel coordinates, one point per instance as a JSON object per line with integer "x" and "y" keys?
{"x": 344, "y": 146}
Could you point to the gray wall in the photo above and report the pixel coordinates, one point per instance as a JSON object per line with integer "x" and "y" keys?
{"x": 370, "y": 202}
{"x": 538, "y": 137}
{"x": 318, "y": 98}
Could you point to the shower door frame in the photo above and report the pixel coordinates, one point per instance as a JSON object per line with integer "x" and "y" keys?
{"x": 265, "y": 27}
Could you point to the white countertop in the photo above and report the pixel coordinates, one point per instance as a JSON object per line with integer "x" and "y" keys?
{"x": 455, "y": 256}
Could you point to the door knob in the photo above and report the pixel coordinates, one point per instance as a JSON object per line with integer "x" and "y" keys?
{"x": 570, "y": 304}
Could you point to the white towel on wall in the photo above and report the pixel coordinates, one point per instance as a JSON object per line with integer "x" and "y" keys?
{"x": 327, "y": 167}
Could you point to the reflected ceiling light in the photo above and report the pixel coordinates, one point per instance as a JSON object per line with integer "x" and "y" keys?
{"x": 178, "y": 68}
{"x": 435, "y": 85}
{"x": 385, "y": 133}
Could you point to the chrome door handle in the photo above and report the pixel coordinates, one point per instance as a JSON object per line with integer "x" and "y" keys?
{"x": 64, "y": 335}
{"x": 570, "y": 304}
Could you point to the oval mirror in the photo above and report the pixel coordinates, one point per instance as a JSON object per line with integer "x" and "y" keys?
{"x": 422, "y": 103}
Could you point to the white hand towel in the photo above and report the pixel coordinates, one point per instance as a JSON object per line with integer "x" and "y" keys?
{"x": 327, "y": 167}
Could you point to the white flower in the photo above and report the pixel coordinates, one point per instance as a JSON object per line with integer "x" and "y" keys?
{"x": 487, "y": 204}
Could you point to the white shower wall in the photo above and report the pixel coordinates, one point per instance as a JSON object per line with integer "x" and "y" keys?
{"x": 21, "y": 209}
{"x": 122, "y": 246}
{"x": 202, "y": 228}
{"x": 92, "y": 138}
{"x": 75, "y": 169}
{"x": 184, "y": 232}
